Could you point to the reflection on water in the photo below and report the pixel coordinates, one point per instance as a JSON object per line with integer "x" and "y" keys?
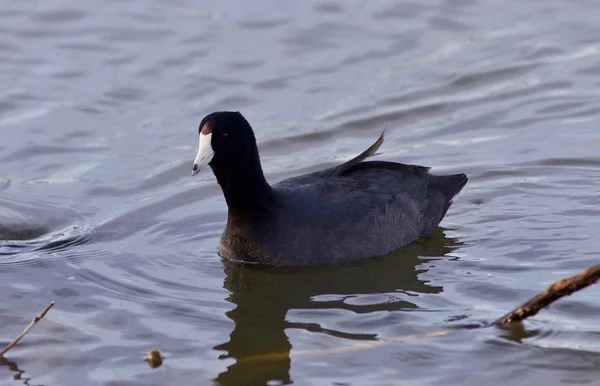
{"x": 263, "y": 298}
{"x": 518, "y": 333}
{"x": 13, "y": 368}
{"x": 19, "y": 232}
{"x": 25, "y": 241}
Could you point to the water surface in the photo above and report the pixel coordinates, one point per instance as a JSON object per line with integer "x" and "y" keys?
{"x": 99, "y": 107}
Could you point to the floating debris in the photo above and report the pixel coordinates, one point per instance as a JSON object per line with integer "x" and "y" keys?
{"x": 154, "y": 358}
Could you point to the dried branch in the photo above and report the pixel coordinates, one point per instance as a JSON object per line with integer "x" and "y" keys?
{"x": 561, "y": 288}
{"x": 34, "y": 321}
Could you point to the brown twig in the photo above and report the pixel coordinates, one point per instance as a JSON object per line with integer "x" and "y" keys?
{"x": 561, "y": 288}
{"x": 34, "y": 321}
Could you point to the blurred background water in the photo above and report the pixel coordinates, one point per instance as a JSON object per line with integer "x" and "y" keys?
{"x": 99, "y": 107}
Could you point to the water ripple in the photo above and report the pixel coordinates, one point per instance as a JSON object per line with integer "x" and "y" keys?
{"x": 99, "y": 107}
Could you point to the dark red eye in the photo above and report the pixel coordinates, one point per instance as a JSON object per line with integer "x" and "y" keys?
{"x": 224, "y": 136}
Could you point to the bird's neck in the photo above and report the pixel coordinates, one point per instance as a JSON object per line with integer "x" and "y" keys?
{"x": 245, "y": 188}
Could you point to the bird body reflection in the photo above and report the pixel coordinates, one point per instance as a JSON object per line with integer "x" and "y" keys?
{"x": 264, "y": 297}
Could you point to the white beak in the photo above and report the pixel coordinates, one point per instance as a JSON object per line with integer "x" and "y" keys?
{"x": 205, "y": 153}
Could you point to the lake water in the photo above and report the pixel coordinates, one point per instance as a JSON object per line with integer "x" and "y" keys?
{"x": 99, "y": 107}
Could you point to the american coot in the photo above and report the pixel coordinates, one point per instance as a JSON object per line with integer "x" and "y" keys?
{"x": 352, "y": 211}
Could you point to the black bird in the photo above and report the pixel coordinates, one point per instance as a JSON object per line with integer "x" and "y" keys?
{"x": 352, "y": 211}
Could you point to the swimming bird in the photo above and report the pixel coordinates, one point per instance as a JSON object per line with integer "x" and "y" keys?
{"x": 352, "y": 211}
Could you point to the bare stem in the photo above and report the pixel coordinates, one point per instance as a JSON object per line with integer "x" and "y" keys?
{"x": 33, "y": 322}
{"x": 559, "y": 289}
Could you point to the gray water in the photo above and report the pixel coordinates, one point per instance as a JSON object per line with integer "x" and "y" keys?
{"x": 99, "y": 107}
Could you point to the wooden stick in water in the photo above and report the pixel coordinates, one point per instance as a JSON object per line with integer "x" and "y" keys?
{"x": 34, "y": 321}
{"x": 559, "y": 289}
